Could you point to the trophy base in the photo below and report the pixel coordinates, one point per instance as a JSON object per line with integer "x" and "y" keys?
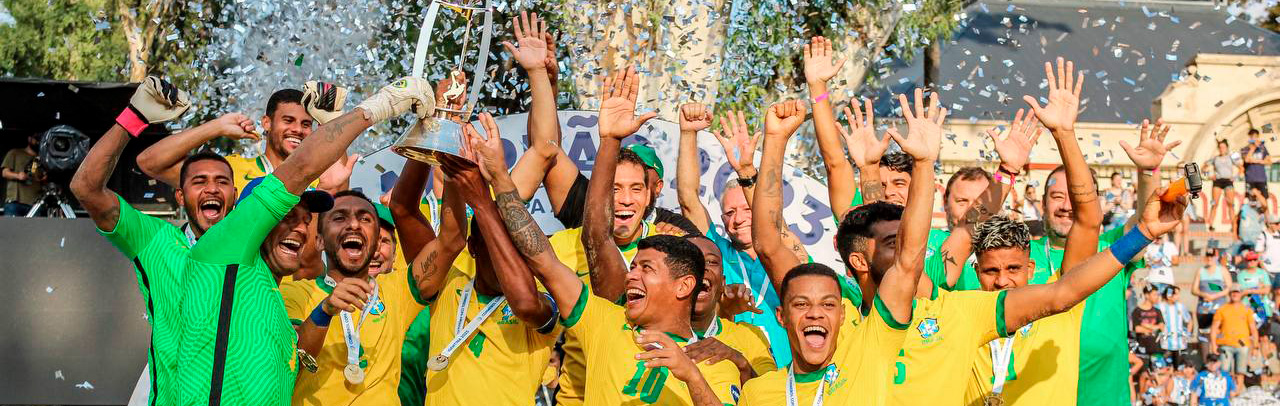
{"x": 429, "y": 139}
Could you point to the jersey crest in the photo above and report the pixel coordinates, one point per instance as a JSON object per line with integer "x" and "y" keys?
{"x": 928, "y": 327}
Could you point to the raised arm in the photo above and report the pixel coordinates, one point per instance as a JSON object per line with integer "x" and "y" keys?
{"x": 780, "y": 123}
{"x": 1059, "y": 116}
{"x": 513, "y": 273}
{"x": 923, "y": 142}
{"x": 413, "y": 227}
{"x": 155, "y": 98}
{"x": 1033, "y": 302}
{"x": 163, "y": 160}
{"x": 1147, "y": 157}
{"x": 694, "y": 117}
{"x": 1014, "y": 149}
{"x": 617, "y": 121}
{"x": 434, "y": 258}
{"x": 329, "y": 142}
{"x": 865, "y": 150}
{"x": 819, "y": 67}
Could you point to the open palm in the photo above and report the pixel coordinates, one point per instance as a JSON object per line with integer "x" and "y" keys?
{"x": 864, "y": 148}
{"x": 1151, "y": 147}
{"x": 618, "y": 106}
{"x": 487, "y": 147}
{"x": 924, "y": 127}
{"x": 739, "y": 146}
{"x": 818, "y": 64}
{"x": 1064, "y": 97}
{"x": 1014, "y": 146}
{"x": 532, "y": 50}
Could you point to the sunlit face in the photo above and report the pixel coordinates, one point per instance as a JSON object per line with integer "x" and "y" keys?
{"x": 287, "y": 128}
{"x": 1222, "y": 149}
{"x": 652, "y": 293}
{"x": 631, "y": 199}
{"x": 736, "y": 215}
{"x": 349, "y": 233}
{"x": 283, "y": 247}
{"x": 1031, "y": 193}
{"x": 1004, "y": 268}
{"x": 385, "y": 257}
{"x": 207, "y": 193}
{"x": 1235, "y": 296}
{"x": 1057, "y": 205}
{"x": 712, "y": 279}
{"x": 811, "y": 312}
{"x": 896, "y": 185}
{"x": 961, "y": 197}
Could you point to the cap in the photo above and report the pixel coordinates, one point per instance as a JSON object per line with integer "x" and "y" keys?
{"x": 1250, "y": 256}
{"x": 316, "y": 201}
{"x": 648, "y": 155}
{"x": 384, "y": 216}
{"x": 1210, "y": 358}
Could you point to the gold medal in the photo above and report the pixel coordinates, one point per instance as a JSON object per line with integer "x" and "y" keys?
{"x": 354, "y": 374}
{"x": 307, "y": 361}
{"x": 993, "y": 400}
{"x": 437, "y": 363}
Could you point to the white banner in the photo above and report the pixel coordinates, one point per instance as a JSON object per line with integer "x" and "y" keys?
{"x": 805, "y": 206}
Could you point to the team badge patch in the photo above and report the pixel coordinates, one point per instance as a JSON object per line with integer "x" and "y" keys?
{"x": 928, "y": 327}
{"x": 378, "y": 308}
{"x": 735, "y": 392}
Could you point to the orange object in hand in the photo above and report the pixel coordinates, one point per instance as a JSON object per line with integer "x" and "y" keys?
{"x": 1190, "y": 184}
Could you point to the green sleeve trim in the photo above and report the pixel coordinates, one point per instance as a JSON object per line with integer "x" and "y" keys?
{"x": 887, "y": 316}
{"x": 576, "y": 314}
{"x": 1001, "y": 328}
{"x": 413, "y": 288}
{"x": 295, "y": 322}
{"x": 850, "y": 291}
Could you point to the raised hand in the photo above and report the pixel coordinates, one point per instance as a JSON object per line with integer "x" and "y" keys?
{"x": 864, "y": 148}
{"x": 739, "y": 146}
{"x": 737, "y": 299}
{"x": 349, "y": 296}
{"x": 553, "y": 68}
{"x": 1160, "y": 217}
{"x": 338, "y": 175}
{"x": 663, "y": 352}
{"x": 487, "y": 147}
{"x": 1014, "y": 146}
{"x": 784, "y": 118}
{"x": 323, "y": 100}
{"x": 1064, "y": 98}
{"x": 618, "y": 105}
{"x": 694, "y": 117}
{"x": 1151, "y": 147}
{"x": 237, "y": 126}
{"x": 924, "y": 127}
{"x": 530, "y": 33}
{"x": 818, "y": 65}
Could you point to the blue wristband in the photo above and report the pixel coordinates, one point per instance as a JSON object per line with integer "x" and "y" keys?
{"x": 1129, "y": 245}
{"x": 319, "y": 317}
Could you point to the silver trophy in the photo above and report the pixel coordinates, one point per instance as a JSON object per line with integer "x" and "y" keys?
{"x": 432, "y": 136}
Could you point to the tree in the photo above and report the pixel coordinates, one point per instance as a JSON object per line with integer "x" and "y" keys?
{"x": 163, "y": 33}
{"x": 60, "y": 40}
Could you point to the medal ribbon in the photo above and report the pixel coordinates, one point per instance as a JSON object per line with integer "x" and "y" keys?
{"x": 1001, "y": 355}
{"x": 350, "y": 329}
{"x": 742, "y": 269}
{"x": 461, "y": 332}
{"x": 793, "y": 400}
{"x": 191, "y": 236}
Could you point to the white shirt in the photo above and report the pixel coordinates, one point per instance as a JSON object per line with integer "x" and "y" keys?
{"x": 1269, "y": 245}
{"x": 1159, "y": 258}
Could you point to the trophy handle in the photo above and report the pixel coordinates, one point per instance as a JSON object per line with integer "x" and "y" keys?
{"x": 482, "y": 59}
{"x": 424, "y": 39}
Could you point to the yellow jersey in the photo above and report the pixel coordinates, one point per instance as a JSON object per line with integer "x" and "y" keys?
{"x": 617, "y": 378}
{"x": 381, "y": 338}
{"x": 938, "y": 354}
{"x": 246, "y": 169}
{"x": 1045, "y": 367}
{"x": 502, "y": 363}
{"x": 567, "y": 244}
{"x": 858, "y": 373}
{"x": 746, "y": 339}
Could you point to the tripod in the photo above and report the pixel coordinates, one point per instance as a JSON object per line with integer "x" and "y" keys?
{"x": 51, "y": 193}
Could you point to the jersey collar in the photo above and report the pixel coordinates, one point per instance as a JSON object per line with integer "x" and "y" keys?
{"x": 811, "y": 376}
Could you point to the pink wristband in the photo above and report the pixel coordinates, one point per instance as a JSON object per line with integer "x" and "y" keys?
{"x": 132, "y": 121}
{"x": 821, "y": 97}
{"x": 1000, "y": 177}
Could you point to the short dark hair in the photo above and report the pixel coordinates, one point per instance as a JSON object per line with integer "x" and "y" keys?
{"x": 629, "y": 156}
{"x": 1223, "y": 142}
{"x": 855, "y": 228}
{"x": 353, "y": 193}
{"x": 809, "y": 269}
{"x": 197, "y": 157}
{"x": 1254, "y": 131}
{"x": 965, "y": 173}
{"x": 898, "y": 162}
{"x": 283, "y": 96}
{"x": 683, "y": 258}
{"x": 662, "y": 215}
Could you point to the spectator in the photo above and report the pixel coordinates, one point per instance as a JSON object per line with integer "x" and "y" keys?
{"x": 1177, "y": 326}
{"x": 1269, "y": 246}
{"x": 1117, "y": 202}
{"x": 24, "y": 180}
{"x": 1210, "y": 289}
{"x": 1249, "y": 223}
{"x": 1233, "y": 333}
{"x": 1178, "y": 390}
{"x": 1254, "y": 281}
{"x": 1148, "y": 323}
{"x": 1213, "y": 387}
{"x": 1256, "y": 159}
{"x": 1161, "y": 256}
{"x": 1224, "y": 169}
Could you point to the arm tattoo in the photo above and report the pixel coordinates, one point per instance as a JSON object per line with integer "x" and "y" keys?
{"x": 335, "y": 127}
{"x": 949, "y": 259}
{"x": 772, "y": 183}
{"x": 427, "y": 268}
{"x": 872, "y": 191}
{"x": 1083, "y": 192}
{"x": 525, "y": 233}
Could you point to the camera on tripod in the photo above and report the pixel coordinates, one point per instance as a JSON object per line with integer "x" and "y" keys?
{"x": 62, "y": 149}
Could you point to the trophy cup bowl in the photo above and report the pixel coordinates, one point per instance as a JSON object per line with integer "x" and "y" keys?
{"x": 429, "y": 138}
